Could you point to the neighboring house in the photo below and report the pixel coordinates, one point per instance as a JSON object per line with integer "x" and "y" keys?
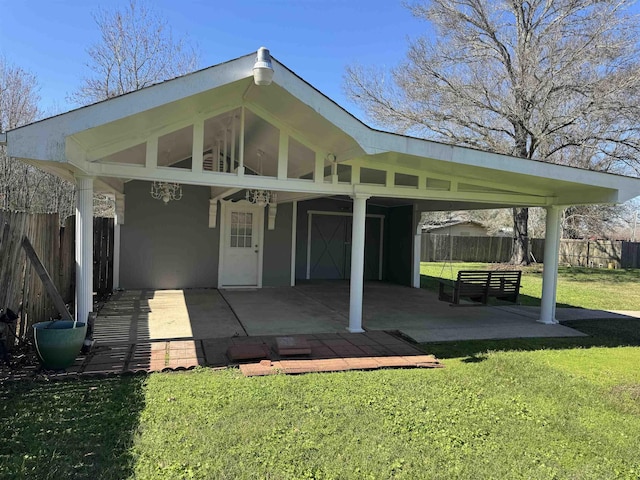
{"x": 459, "y": 228}
{"x": 244, "y": 175}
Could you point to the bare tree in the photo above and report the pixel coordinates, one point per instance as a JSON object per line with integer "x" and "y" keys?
{"x": 136, "y": 49}
{"x": 555, "y": 80}
{"x": 24, "y": 187}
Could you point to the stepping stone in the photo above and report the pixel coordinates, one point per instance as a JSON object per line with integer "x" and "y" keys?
{"x": 292, "y": 346}
{"x": 248, "y": 351}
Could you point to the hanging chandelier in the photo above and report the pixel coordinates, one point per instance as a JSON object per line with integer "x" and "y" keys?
{"x": 261, "y": 198}
{"x": 166, "y": 191}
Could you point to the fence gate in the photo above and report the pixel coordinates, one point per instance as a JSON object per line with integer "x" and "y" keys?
{"x": 102, "y": 255}
{"x": 630, "y": 255}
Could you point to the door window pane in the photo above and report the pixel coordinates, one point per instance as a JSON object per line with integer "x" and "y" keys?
{"x": 241, "y": 230}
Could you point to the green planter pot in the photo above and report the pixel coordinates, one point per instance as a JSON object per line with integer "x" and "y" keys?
{"x": 58, "y": 342}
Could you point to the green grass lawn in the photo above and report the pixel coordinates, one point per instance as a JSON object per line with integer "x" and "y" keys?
{"x": 564, "y": 408}
{"x": 501, "y": 409}
{"x": 593, "y": 288}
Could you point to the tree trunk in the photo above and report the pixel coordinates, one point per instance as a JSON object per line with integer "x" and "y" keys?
{"x": 520, "y": 248}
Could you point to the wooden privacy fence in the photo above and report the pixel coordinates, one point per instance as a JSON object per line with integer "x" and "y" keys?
{"x": 19, "y": 282}
{"x": 437, "y": 248}
{"x": 585, "y": 253}
{"x": 55, "y": 247}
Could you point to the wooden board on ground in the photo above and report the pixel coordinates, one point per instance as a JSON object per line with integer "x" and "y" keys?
{"x": 46, "y": 279}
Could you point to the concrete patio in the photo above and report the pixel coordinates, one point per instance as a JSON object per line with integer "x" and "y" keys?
{"x": 315, "y": 308}
{"x": 147, "y": 330}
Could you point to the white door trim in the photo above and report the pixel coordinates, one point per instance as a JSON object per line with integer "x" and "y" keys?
{"x": 224, "y": 207}
{"x": 310, "y": 214}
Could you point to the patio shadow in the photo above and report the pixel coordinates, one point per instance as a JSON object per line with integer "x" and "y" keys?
{"x": 69, "y": 428}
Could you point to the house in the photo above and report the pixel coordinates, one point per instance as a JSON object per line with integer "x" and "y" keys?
{"x": 458, "y": 228}
{"x": 244, "y": 175}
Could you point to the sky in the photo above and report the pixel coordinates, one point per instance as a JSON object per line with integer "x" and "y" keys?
{"x": 317, "y": 39}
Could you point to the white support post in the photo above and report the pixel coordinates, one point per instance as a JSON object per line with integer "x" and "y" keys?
{"x": 318, "y": 171}
{"x": 417, "y": 249}
{"x": 197, "y": 147}
{"x": 232, "y": 160}
{"x": 550, "y": 272}
{"x": 84, "y": 248}
{"x": 415, "y": 266}
{"x": 283, "y": 156}
{"x": 334, "y": 172}
{"x": 241, "y": 145}
{"x": 357, "y": 262}
{"x": 355, "y": 174}
{"x": 117, "y": 222}
{"x": 225, "y": 149}
{"x": 151, "y": 157}
{"x": 390, "y": 179}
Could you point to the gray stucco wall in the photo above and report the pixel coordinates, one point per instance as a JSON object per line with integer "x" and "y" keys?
{"x": 276, "y": 261}
{"x": 168, "y": 246}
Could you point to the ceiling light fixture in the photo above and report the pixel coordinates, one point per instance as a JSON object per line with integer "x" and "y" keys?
{"x": 260, "y": 197}
{"x": 166, "y": 191}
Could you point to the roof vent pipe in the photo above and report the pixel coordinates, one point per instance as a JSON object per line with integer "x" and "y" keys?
{"x": 262, "y": 70}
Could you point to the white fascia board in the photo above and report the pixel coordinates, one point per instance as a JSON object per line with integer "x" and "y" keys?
{"x": 44, "y": 140}
{"x": 317, "y": 101}
{"x": 626, "y": 187}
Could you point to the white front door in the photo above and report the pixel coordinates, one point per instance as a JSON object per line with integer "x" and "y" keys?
{"x": 241, "y": 244}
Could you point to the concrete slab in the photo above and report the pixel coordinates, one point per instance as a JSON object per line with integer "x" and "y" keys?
{"x": 566, "y": 314}
{"x": 419, "y": 314}
{"x": 147, "y": 315}
{"x": 283, "y": 311}
{"x": 319, "y": 309}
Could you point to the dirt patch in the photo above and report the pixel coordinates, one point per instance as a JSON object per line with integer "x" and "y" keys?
{"x": 631, "y": 391}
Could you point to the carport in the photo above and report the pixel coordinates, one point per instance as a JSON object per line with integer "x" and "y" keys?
{"x": 223, "y": 171}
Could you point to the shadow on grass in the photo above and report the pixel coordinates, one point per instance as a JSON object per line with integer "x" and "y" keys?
{"x": 590, "y": 275}
{"x": 622, "y": 332}
{"x": 69, "y": 429}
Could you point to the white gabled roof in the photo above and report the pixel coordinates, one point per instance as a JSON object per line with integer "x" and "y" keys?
{"x": 292, "y": 101}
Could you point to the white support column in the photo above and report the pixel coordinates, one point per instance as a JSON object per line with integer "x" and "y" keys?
{"x": 415, "y": 265}
{"x": 283, "y": 156}
{"x": 241, "y": 145}
{"x": 417, "y": 248}
{"x": 550, "y": 272}
{"x": 318, "y": 171}
{"x": 198, "y": 146}
{"x": 84, "y": 248}
{"x": 117, "y": 222}
{"x": 151, "y": 157}
{"x": 357, "y": 262}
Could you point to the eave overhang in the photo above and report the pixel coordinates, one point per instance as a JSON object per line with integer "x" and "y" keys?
{"x": 73, "y": 142}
